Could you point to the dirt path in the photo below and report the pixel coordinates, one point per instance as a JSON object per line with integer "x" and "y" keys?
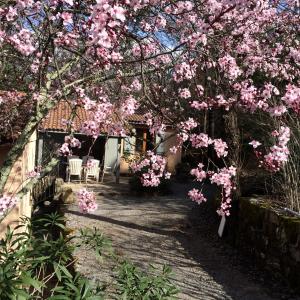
{"x": 158, "y": 230}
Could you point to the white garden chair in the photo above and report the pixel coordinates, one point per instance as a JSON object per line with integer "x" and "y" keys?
{"x": 107, "y": 170}
{"x": 92, "y": 171}
{"x": 74, "y": 168}
{"x": 72, "y": 157}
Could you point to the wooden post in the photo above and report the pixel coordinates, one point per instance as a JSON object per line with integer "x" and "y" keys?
{"x": 144, "y": 141}
{"x": 40, "y": 149}
{"x": 118, "y": 161}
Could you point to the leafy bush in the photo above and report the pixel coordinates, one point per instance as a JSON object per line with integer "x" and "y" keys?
{"x": 36, "y": 263}
{"x": 136, "y": 285}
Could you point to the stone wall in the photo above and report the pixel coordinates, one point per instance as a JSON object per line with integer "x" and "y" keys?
{"x": 271, "y": 235}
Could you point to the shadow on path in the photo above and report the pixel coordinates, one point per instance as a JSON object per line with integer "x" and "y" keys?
{"x": 161, "y": 230}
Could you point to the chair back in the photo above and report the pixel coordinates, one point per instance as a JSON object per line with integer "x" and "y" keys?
{"x": 110, "y": 169}
{"x": 86, "y": 158}
{"x": 94, "y": 169}
{"x": 75, "y": 165}
{"x": 72, "y": 157}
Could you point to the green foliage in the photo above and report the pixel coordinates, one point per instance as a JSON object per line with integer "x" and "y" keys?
{"x": 133, "y": 284}
{"x": 95, "y": 240}
{"x": 75, "y": 287}
{"x": 36, "y": 263}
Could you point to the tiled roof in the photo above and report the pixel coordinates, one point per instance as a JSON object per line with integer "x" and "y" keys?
{"x": 63, "y": 111}
{"x": 138, "y": 117}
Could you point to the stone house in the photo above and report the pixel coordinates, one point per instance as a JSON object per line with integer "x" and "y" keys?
{"x": 112, "y": 151}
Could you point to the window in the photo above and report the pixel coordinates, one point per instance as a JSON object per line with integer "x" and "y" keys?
{"x": 141, "y": 139}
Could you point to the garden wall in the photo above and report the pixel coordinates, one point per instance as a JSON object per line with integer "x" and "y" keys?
{"x": 24, "y": 164}
{"x": 271, "y": 235}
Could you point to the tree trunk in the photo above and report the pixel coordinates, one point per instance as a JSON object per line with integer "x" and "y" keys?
{"x": 22, "y": 141}
{"x": 234, "y": 146}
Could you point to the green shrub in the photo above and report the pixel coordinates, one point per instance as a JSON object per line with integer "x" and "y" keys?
{"x": 132, "y": 284}
{"x": 37, "y": 263}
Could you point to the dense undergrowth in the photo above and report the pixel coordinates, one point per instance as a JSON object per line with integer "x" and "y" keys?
{"x": 36, "y": 262}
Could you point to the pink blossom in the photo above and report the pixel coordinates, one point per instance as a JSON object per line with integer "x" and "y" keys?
{"x": 136, "y": 85}
{"x": 223, "y": 178}
{"x": 11, "y": 13}
{"x": 91, "y": 163}
{"x": 24, "y": 3}
{"x": 184, "y": 71}
{"x": 161, "y": 22}
{"x": 167, "y": 175}
{"x": 199, "y": 89}
{"x": 199, "y": 173}
{"x": 116, "y": 56}
{"x": 292, "y": 97}
{"x": 90, "y": 128}
{"x": 229, "y": 66}
{"x": 152, "y": 169}
{"x": 67, "y": 17}
{"x": 69, "y": 2}
{"x": 64, "y": 150}
{"x": 189, "y": 124}
{"x": 278, "y": 154}
{"x": 70, "y": 141}
{"x": 220, "y": 147}
{"x": 255, "y": 144}
{"x": 73, "y": 142}
{"x": 118, "y": 13}
{"x": 129, "y": 106}
{"x": 277, "y": 111}
{"x": 200, "y": 140}
{"x": 173, "y": 149}
{"x": 23, "y": 42}
{"x": 34, "y": 173}
{"x": 184, "y": 93}
{"x": 7, "y": 202}
{"x": 86, "y": 201}
{"x": 199, "y": 105}
{"x": 196, "y": 196}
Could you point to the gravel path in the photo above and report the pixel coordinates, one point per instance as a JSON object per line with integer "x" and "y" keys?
{"x": 160, "y": 230}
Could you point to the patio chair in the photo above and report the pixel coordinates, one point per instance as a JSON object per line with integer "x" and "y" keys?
{"x": 74, "y": 169}
{"x": 72, "y": 157}
{"x": 107, "y": 170}
{"x": 92, "y": 171}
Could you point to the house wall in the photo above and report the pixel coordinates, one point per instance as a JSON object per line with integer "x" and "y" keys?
{"x": 163, "y": 149}
{"x": 24, "y": 164}
{"x": 49, "y": 142}
{"x": 111, "y": 152}
{"x": 172, "y": 159}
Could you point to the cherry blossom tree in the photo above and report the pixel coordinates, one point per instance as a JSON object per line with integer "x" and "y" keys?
{"x": 180, "y": 60}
